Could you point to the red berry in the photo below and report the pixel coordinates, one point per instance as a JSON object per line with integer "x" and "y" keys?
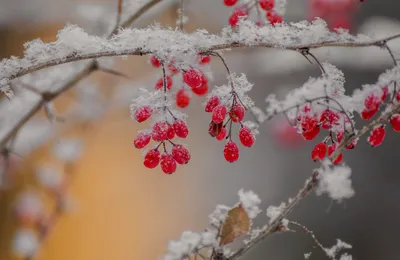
{"x": 160, "y": 83}
{"x": 231, "y": 152}
{"x": 237, "y": 113}
{"x": 181, "y": 128}
{"x": 168, "y": 163}
{"x": 180, "y": 154}
{"x": 212, "y": 103}
{"x": 143, "y": 113}
{"x": 193, "y": 78}
{"x": 395, "y": 122}
{"x": 385, "y": 93}
{"x": 319, "y": 152}
{"x": 160, "y": 131}
{"x": 310, "y": 127}
{"x": 219, "y": 113}
{"x": 377, "y": 136}
{"x": 331, "y": 150}
{"x": 267, "y": 4}
{"x": 155, "y": 61}
{"x": 341, "y": 22}
{"x": 230, "y": 2}
{"x": 152, "y": 159}
{"x": 182, "y": 98}
{"x": 236, "y": 15}
{"x": 205, "y": 59}
{"x": 246, "y": 136}
{"x": 222, "y": 134}
{"x": 328, "y": 118}
{"x": 142, "y": 139}
{"x": 367, "y": 114}
{"x": 202, "y": 89}
{"x": 171, "y": 132}
{"x": 273, "y": 17}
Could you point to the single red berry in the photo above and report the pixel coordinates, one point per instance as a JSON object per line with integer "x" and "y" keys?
{"x": 230, "y": 2}
{"x": 231, "y": 152}
{"x": 168, "y": 163}
{"x": 331, "y": 150}
{"x": 222, "y": 134}
{"x": 367, "y": 114}
{"x": 143, "y": 113}
{"x": 152, "y": 159}
{"x": 246, "y": 136}
{"x": 155, "y": 61}
{"x": 160, "y": 131}
{"x": 237, "y": 113}
{"x": 212, "y": 103}
{"x": 160, "y": 83}
{"x": 142, "y": 139}
{"x": 219, "y": 113}
{"x": 202, "y": 89}
{"x": 395, "y": 122}
{"x": 181, "y": 128}
{"x": 377, "y": 136}
{"x": 171, "y": 132}
{"x": 341, "y": 22}
{"x": 237, "y": 14}
{"x": 310, "y": 127}
{"x": 397, "y": 96}
{"x": 181, "y": 154}
{"x": 267, "y": 4}
{"x": 328, "y": 119}
{"x": 319, "y": 152}
{"x": 182, "y": 98}
{"x": 205, "y": 59}
{"x": 193, "y": 78}
{"x": 273, "y": 17}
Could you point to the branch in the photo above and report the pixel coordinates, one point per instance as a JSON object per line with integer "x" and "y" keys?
{"x": 310, "y": 184}
{"x": 91, "y": 67}
{"x": 140, "y": 52}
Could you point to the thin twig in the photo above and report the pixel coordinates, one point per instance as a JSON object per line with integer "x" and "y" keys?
{"x": 119, "y": 12}
{"x": 312, "y": 235}
{"x": 181, "y": 15}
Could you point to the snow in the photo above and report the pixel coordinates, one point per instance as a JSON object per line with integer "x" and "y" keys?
{"x": 250, "y": 202}
{"x": 273, "y": 212}
{"x": 68, "y": 150}
{"x": 334, "y": 181}
{"x": 25, "y": 242}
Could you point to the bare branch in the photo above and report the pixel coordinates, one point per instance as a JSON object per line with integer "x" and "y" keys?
{"x": 119, "y": 12}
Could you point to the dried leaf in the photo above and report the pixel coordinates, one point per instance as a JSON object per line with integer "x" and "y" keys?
{"x": 236, "y": 224}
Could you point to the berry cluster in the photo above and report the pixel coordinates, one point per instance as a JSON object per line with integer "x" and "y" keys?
{"x": 221, "y": 117}
{"x": 242, "y": 11}
{"x": 337, "y": 13}
{"x": 196, "y": 80}
{"x": 162, "y": 132}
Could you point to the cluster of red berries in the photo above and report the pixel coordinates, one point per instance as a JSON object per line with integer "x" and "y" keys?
{"x": 162, "y": 132}
{"x": 243, "y": 11}
{"x": 337, "y": 13}
{"x": 372, "y": 103}
{"x": 196, "y": 80}
{"x": 217, "y": 127}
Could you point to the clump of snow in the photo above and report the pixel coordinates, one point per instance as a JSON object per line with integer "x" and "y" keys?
{"x": 334, "y": 250}
{"x": 68, "y": 150}
{"x": 250, "y": 202}
{"x": 273, "y": 212}
{"x": 25, "y": 242}
{"x": 334, "y": 181}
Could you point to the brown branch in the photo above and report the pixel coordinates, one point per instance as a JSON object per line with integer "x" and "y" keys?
{"x": 140, "y": 52}
{"x": 92, "y": 66}
{"x": 119, "y": 12}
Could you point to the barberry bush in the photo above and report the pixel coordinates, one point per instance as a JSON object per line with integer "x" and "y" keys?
{"x": 320, "y": 109}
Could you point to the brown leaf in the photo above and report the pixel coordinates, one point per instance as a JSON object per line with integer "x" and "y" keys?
{"x": 236, "y": 224}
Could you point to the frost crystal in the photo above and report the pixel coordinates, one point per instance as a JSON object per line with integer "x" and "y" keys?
{"x": 250, "y": 202}
{"x": 335, "y": 181}
{"x": 68, "y": 150}
{"x": 25, "y": 243}
{"x": 334, "y": 250}
{"x": 273, "y": 212}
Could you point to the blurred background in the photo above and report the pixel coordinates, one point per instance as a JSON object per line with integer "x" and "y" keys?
{"x": 115, "y": 208}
